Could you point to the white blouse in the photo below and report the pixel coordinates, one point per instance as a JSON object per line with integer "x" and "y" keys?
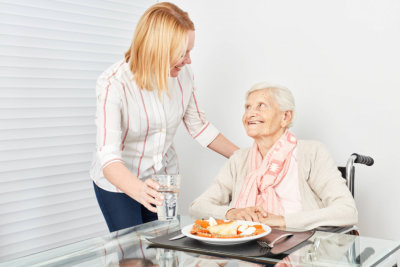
{"x": 137, "y": 127}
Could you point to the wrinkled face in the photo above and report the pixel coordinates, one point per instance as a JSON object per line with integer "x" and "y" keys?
{"x": 185, "y": 59}
{"x": 262, "y": 117}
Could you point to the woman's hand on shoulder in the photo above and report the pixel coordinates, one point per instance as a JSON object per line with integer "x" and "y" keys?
{"x": 255, "y": 214}
{"x": 148, "y": 195}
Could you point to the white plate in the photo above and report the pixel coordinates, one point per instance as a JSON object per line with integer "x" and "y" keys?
{"x": 227, "y": 241}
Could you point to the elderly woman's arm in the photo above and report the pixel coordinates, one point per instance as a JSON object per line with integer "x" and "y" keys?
{"x": 326, "y": 183}
{"x": 215, "y": 200}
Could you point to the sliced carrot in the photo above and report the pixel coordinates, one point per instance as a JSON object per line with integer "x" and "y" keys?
{"x": 259, "y": 231}
{"x": 202, "y": 223}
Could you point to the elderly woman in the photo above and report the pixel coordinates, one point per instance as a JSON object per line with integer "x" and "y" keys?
{"x": 280, "y": 181}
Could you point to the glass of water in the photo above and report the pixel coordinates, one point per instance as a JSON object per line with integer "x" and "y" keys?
{"x": 169, "y": 187}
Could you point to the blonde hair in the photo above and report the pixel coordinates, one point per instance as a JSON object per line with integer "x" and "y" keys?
{"x": 282, "y": 95}
{"x": 160, "y": 39}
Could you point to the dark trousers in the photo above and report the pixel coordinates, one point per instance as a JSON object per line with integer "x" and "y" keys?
{"x": 121, "y": 211}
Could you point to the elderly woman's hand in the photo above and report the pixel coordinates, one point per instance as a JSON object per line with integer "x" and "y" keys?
{"x": 273, "y": 220}
{"x": 255, "y": 214}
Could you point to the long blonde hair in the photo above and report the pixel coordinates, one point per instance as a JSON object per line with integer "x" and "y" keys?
{"x": 160, "y": 39}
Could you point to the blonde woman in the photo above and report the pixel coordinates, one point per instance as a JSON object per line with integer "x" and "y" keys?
{"x": 141, "y": 100}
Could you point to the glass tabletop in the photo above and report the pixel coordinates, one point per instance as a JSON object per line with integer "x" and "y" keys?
{"x": 130, "y": 247}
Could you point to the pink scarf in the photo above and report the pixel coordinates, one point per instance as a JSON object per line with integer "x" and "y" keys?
{"x": 265, "y": 174}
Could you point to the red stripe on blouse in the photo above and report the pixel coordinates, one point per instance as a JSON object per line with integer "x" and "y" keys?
{"x": 108, "y": 161}
{"x": 105, "y": 102}
{"x": 197, "y": 107}
{"x": 205, "y": 127}
{"x": 105, "y": 113}
{"x": 127, "y": 120}
{"x": 141, "y": 248}
{"x": 165, "y": 168}
{"x": 183, "y": 111}
{"x": 105, "y": 254}
{"x": 120, "y": 247}
{"x": 180, "y": 86}
{"x": 147, "y": 132}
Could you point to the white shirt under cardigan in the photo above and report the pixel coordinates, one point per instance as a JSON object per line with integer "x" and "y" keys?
{"x": 137, "y": 127}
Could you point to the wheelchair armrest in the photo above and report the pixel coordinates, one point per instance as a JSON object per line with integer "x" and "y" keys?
{"x": 352, "y": 229}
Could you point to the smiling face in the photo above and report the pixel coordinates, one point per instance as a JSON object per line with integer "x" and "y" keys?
{"x": 262, "y": 118}
{"x": 185, "y": 59}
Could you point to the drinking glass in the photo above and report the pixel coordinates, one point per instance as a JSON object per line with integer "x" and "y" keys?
{"x": 169, "y": 187}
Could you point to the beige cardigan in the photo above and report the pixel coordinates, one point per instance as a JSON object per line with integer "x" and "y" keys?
{"x": 326, "y": 199}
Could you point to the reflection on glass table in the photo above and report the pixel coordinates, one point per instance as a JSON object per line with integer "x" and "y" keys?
{"x": 129, "y": 247}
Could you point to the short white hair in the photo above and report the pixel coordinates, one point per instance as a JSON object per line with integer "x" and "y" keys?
{"x": 282, "y": 95}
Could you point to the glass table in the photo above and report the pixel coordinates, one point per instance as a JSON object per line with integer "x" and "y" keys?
{"x": 130, "y": 247}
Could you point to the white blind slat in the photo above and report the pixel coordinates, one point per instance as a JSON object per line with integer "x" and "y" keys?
{"x": 29, "y": 214}
{"x": 37, "y": 182}
{"x": 38, "y": 203}
{"x": 47, "y": 142}
{"x": 46, "y": 102}
{"x": 56, "y": 54}
{"x": 46, "y": 92}
{"x": 72, "y": 45}
{"x": 69, "y": 10}
{"x": 43, "y": 191}
{"x": 46, "y": 132}
{"x": 19, "y": 61}
{"x": 15, "y": 165}
{"x": 48, "y": 82}
{"x": 45, "y": 151}
{"x": 37, "y": 21}
{"x": 46, "y": 72}
{"x": 45, "y": 122}
{"x": 55, "y": 112}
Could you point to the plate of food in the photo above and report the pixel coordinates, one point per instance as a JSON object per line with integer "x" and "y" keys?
{"x": 225, "y": 232}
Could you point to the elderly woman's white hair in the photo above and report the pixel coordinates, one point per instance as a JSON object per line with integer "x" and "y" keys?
{"x": 281, "y": 94}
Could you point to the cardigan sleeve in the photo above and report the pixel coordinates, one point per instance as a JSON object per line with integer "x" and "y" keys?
{"x": 326, "y": 183}
{"x": 215, "y": 201}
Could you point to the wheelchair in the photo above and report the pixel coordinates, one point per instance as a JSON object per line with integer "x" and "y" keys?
{"x": 348, "y": 172}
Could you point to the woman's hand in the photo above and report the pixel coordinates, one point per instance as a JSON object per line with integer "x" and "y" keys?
{"x": 143, "y": 192}
{"x": 255, "y": 214}
{"x": 148, "y": 195}
{"x": 273, "y": 220}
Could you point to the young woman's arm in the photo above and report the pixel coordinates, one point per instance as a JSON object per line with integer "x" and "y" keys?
{"x": 223, "y": 146}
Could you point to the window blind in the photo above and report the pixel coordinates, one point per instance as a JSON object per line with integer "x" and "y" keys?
{"x": 51, "y": 53}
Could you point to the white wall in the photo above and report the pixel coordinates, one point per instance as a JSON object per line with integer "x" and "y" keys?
{"x": 340, "y": 59}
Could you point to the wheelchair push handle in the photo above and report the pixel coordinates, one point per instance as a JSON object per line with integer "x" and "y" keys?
{"x": 363, "y": 159}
